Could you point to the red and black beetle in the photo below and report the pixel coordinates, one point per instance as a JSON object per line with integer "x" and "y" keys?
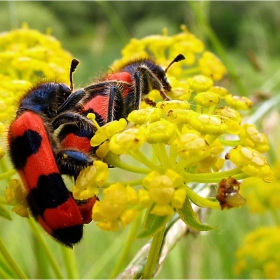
{"x": 32, "y": 151}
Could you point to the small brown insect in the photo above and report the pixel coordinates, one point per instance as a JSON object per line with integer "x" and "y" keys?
{"x": 228, "y": 195}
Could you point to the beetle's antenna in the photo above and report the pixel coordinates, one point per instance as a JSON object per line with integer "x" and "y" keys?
{"x": 73, "y": 67}
{"x": 178, "y": 58}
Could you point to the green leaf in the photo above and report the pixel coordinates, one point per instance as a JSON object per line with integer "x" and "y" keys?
{"x": 152, "y": 224}
{"x": 4, "y": 213}
{"x": 188, "y": 216}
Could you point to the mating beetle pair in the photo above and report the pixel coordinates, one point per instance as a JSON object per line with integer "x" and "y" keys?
{"x": 51, "y": 137}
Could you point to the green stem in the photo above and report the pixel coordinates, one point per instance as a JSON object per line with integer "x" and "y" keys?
{"x": 5, "y": 268}
{"x": 137, "y": 182}
{"x": 172, "y": 155}
{"x": 161, "y": 154}
{"x": 214, "y": 177}
{"x": 4, "y": 164}
{"x": 154, "y": 254}
{"x": 105, "y": 258}
{"x": 4, "y": 274}
{"x": 138, "y": 155}
{"x": 122, "y": 258}
{"x": 11, "y": 261}
{"x": 3, "y": 200}
{"x": 201, "y": 201}
{"x": 70, "y": 262}
{"x": 116, "y": 162}
{"x": 210, "y": 110}
{"x": 230, "y": 143}
{"x": 7, "y": 174}
{"x": 53, "y": 261}
{"x": 210, "y": 138}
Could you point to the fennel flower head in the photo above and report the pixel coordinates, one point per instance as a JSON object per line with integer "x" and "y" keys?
{"x": 167, "y": 151}
{"x": 26, "y": 57}
{"x": 174, "y": 147}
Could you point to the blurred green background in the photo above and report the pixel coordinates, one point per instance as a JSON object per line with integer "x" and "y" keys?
{"x": 95, "y": 33}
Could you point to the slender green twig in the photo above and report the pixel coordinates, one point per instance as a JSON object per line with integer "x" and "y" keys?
{"x": 70, "y": 262}
{"x": 160, "y": 151}
{"x": 13, "y": 264}
{"x": 139, "y": 156}
{"x": 130, "y": 183}
{"x": 53, "y": 262}
{"x": 4, "y": 274}
{"x": 202, "y": 201}
{"x": 7, "y": 174}
{"x": 127, "y": 246}
{"x": 154, "y": 253}
{"x": 101, "y": 262}
{"x": 5, "y": 268}
{"x": 214, "y": 177}
{"x": 116, "y": 162}
{"x": 3, "y": 200}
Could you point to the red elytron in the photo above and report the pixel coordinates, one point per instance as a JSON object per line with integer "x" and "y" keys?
{"x": 32, "y": 151}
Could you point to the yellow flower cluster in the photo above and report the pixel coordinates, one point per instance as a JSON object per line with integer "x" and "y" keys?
{"x": 116, "y": 208}
{"x": 184, "y": 140}
{"x": 26, "y": 56}
{"x": 164, "y": 48}
{"x": 251, "y": 162}
{"x": 261, "y": 196}
{"x": 15, "y": 195}
{"x": 185, "y": 143}
{"x": 90, "y": 179}
{"x": 165, "y": 191}
{"x": 259, "y": 254}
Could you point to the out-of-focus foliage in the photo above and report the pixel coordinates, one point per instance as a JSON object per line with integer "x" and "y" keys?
{"x": 95, "y": 33}
{"x": 232, "y": 21}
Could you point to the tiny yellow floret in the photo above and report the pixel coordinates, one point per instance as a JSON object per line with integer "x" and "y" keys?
{"x": 90, "y": 179}
{"x": 200, "y": 83}
{"x": 251, "y": 162}
{"x": 160, "y": 132}
{"x": 128, "y": 140}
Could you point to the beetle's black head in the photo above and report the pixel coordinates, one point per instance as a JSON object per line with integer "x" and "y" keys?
{"x": 159, "y": 72}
